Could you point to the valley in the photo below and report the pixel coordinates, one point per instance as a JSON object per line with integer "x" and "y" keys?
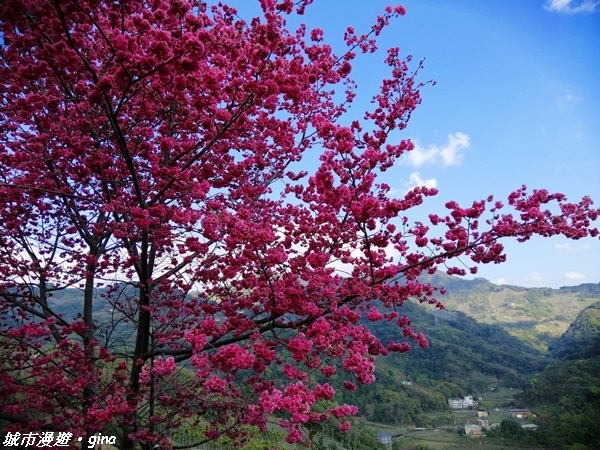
{"x": 506, "y": 346}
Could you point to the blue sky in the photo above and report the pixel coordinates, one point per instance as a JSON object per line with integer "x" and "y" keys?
{"x": 517, "y": 101}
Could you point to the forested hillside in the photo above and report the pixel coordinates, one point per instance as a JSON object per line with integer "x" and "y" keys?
{"x": 466, "y": 356}
{"x": 582, "y": 338}
{"x": 461, "y": 350}
{"x": 537, "y": 315}
{"x": 567, "y": 392}
{"x": 463, "y": 357}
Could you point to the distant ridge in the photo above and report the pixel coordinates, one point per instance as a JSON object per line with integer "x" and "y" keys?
{"x": 539, "y": 315}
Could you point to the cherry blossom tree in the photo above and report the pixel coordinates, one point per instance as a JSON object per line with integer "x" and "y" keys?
{"x": 154, "y": 156}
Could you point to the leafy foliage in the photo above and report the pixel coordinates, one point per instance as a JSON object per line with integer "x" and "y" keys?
{"x": 582, "y": 338}
{"x": 536, "y": 315}
{"x": 463, "y": 357}
{"x": 569, "y": 389}
{"x": 160, "y": 144}
{"x": 465, "y": 352}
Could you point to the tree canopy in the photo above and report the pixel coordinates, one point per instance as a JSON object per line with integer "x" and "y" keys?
{"x": 153, "y": 156}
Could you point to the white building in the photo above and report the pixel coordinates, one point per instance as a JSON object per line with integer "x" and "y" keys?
{"x": 384, "y": 438}
{"x": 461, "y": 403}
{"x": 472, "y": 430}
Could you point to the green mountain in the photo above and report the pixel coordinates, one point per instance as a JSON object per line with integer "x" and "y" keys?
{"x": 461, "y": 350}
{"x": 537, "y": 315}
{"x": 582, "y": 338}
{"x": 489, "y": 336}
{"x": 463, "y": 357}
{"x": 567, "y": 392}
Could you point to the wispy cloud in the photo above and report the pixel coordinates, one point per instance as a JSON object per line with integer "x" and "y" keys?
{"x": 451, "y": 154}
{"x": 572, "y": 97}
{"x": 572, "y": 6}
{"x": 574, "y": 276}
{"x": 568, "y": 247}
{"x": 566, "y": 96}
{"x": 535, "y": 277}
{"x": 415, "y": 180}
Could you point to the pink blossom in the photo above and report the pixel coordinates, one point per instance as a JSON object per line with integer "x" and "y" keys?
{"x": 350, "y": 386}
{"x": 165, "y": 144}
{"x": 328, "y": 371}
{"x": 164, "y": 367}
{"x": 400, "y": 347}
{"x": 374, "y": 315}
{"x": 344, "y": 410}
{"x": 324, "y": 391}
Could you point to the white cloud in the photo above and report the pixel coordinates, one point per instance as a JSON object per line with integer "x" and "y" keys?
{"x": 568, "y": 247}
{"x": 500, "y": 281}
{"x": 450, "y": 154}
{"x": 572, "y": 97}
{"x": 571, "y": 6}
{"x": 566, "y": 97}
{"x": 536, "y": 276}
{"x": 415, "y": 180}
{"x": 574, "y": 276}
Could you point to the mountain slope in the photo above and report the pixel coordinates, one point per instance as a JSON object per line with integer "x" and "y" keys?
{"x": 538, "y": 315}
{"x": 461, "y": 350}
{"x": 568, "y": 391}
{"x": 582, "y": 338}
{"x": 463, "y": 357}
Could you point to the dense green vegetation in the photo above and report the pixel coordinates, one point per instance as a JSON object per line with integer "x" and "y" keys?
{"x": 472, "y": 355}
{"x": 466, "y": 356}
{"x": 582, "y": 338}
{"x": 536, "y": 315}
{"x": 567, "y": 393}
